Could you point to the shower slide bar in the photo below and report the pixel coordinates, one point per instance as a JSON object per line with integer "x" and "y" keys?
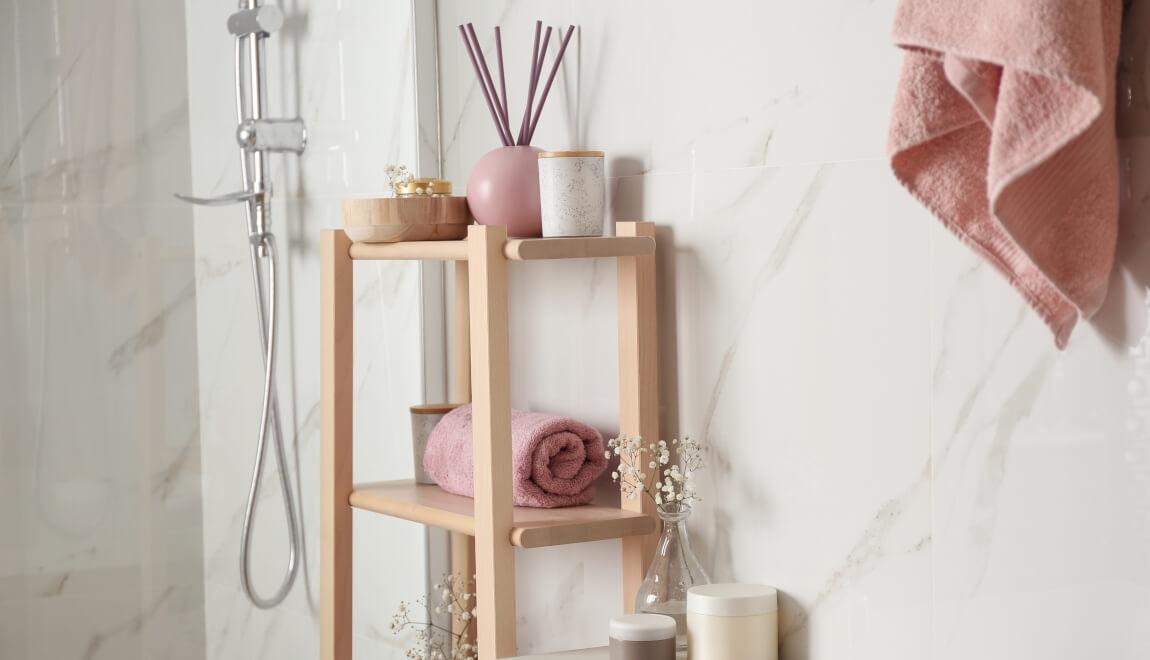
{"x": 258, "y": 136}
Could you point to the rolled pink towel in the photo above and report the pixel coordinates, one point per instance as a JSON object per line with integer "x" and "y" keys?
{"x": 554, "y": 460}
{"x": 1003, "y": 126}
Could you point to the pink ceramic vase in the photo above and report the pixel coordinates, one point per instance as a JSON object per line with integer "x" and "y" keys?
{"x": 503, "y": 189}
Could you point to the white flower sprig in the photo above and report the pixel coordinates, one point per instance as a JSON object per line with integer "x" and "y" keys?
{"x": 433, "y": 641}
{"x": 398, "y": 175}
{"x": 675, "y": 483}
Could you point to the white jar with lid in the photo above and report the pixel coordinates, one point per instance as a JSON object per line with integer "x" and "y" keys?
{"x": 731, "y": 620}
{"x": 642, "y": 637}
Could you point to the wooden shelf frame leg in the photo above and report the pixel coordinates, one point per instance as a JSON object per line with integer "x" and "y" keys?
{"x": 336, "y": 396}
{"x": 491, "y": 424}
{"x": 462, "y": 545}
{"x": 638, "y": 387}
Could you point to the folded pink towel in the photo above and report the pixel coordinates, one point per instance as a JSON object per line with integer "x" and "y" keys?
{"x": 1003, "y": 126}
{"x": 554, "y": 460}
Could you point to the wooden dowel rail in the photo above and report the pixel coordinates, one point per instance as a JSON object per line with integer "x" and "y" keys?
{"x": 516, "y": 249}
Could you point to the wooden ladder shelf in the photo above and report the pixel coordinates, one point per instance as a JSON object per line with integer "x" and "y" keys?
{"x": 480, "y": 350}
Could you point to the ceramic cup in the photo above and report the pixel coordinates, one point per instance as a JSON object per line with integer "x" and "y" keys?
{"x": 503, "y": 189}
{"x": 423, "y": 421}
{"x": 572, "y": 190}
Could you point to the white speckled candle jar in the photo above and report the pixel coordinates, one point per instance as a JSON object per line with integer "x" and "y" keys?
{"x": 572, "y": 189}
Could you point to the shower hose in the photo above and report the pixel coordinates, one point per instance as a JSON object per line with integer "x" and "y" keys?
{"x": 262, "y": 248}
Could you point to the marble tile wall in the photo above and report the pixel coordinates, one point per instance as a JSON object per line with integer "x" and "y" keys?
{"x": 346, "y": 69}
{"x": 896, "y": 444}
{"x": 100, "y": 557}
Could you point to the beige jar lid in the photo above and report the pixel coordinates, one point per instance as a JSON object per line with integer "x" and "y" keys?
{"x": 570, "y": 154}
{"x": 434, "y": 408}
{"x": 732, "y": 599}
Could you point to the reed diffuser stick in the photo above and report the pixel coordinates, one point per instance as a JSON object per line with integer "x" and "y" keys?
{"x": 502, "y": 78}
{"x": 542, "y": 56}
{"x": 498, "y": 103}
{"x": 490, "y": 82}
{"x": 504, "y": 138}
{"x": 530, "y": 86}
{"x": 550, "y": 79}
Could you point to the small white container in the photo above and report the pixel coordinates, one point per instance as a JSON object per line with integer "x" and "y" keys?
{"x": 423, "y": 421}
{"x": 726, "y": 621}
{"x": 642, "y": 637}
{"x": 572, "y": 192}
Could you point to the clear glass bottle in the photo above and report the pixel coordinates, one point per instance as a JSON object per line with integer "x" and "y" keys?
{"x": 673, "y": 571}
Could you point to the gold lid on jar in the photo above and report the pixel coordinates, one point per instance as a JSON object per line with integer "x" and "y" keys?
{"x": 423, "y": 187}
{"x": 570, "y": 154}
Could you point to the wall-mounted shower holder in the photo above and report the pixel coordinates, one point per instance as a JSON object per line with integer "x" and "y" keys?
{"x": 257, "y": 137}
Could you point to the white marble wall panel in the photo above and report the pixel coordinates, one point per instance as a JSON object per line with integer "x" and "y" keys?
{"x": 346, "y": 69}
{"x": 99, "y": 451}
{"x": 896, "y": 444}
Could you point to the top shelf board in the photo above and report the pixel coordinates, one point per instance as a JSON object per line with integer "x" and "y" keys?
{"x": 516, "y": 249}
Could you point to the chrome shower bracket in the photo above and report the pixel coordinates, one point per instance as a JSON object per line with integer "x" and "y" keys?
{"x": 259, "y": 20}
{"x": 272, "y": 135}
{"x": 256, "y": 135}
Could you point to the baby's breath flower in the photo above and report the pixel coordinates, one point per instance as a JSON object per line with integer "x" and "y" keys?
{"x": 673, "y": 464}
{"x": 431, "y": 640}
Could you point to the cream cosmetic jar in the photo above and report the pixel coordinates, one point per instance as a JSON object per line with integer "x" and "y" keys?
{"x": 423, "y": 421}
{"x": 726, "y": 621}
{"x": 572, "y": 193}
{"x": 643, "y": 637}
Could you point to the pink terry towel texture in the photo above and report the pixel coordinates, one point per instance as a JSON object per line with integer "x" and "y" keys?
{"x": 554, "y": 460}
{"x": 1003, "y": 126}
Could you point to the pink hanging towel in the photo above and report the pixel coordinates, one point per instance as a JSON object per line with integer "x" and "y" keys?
{"x": 1003, "y": 126}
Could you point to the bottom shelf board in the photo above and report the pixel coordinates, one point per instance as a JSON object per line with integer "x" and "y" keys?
{"x": 600, "y": 653}
{"x": 532, "y": 528}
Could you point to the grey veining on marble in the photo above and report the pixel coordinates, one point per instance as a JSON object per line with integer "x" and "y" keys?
{"x": 346, "y": 69}
{"x": 775, "y": 261}
{"x": 895, "y": 444}
{"x": 99, "y": 484}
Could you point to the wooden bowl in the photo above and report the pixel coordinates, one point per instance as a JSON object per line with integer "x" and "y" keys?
{"x": 415, "y": 218}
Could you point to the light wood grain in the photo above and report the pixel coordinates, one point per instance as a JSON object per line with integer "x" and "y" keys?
{"x": 480, "y": 351}
{"x": 336, "y": 451}
{"x": 638, "y": 386}
{"x": 415, "y": 218}
{"x": 599, "y": 653}
{"x": 460, "y": 379}
{"x": 429, "y": 250}
{"x": 527, "y": 249}
{"x": 530, "y": 527}
{"x": 459, "y": 386}
{"x": 491, "y": 442}
{"x": 463, "y": 564}
{"x": 577, "y": 525}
